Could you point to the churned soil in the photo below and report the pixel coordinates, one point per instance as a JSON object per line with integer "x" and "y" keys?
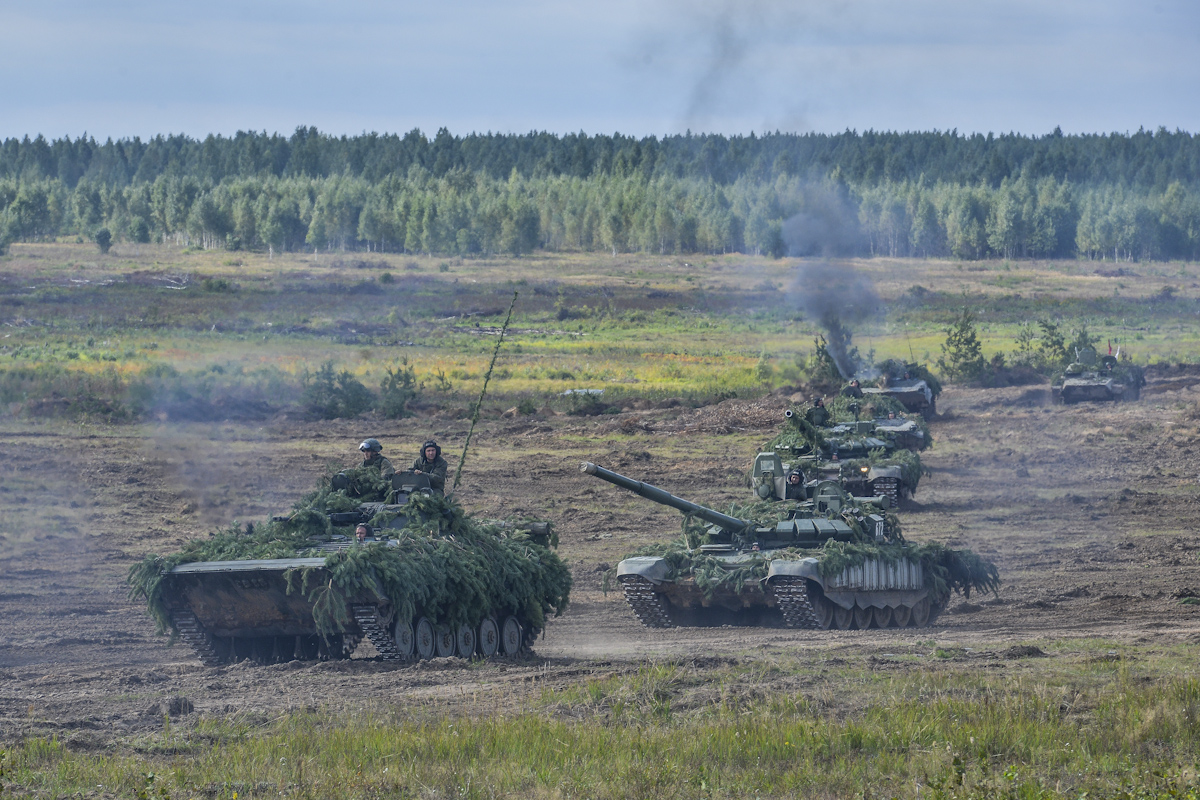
{"x": 1089, "y": 511}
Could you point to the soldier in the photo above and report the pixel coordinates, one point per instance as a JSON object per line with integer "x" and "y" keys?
{"x": 362, "y": 533}
{"x": 431, "y": 463}
{"x": 817, "y": 416}
{"x": 372, "y": 452}
{"x": 795, "y": 486}
{"x": 853, "y": 389}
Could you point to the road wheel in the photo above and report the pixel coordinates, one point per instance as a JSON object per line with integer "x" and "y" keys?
{"x": 446, "y": 641}
{"x": 843, "y": 618}
{"x": 920, "y": 613}
{"x": 901, "y": 615}
{"x": 464, "y": 641}
{"x": 406, "y": 640}
{"x": 510, "y": 636}
{"x": 824, "y": 609}
{"x": 426, "y": 638}
{"x": 862, "y": 618}
{"x": 882, "y": 617}
{"x": 489, "y": 637}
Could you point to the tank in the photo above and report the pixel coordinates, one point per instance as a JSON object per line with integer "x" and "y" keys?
{"x": 866, "y": 457}
{"x": 831, "y": 562}
{"x": 1098, "y": 378}
{"x": 427, "y": 581}
{"x": 911, "y": 384}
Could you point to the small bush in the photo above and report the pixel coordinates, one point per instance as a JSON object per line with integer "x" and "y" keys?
{"x": 387, "y": 278}
{"x": 398, "y": 389}
{"x": 217, "y": 285}
{"x": 103, "y": 239}
{"x": 335, "y": 395}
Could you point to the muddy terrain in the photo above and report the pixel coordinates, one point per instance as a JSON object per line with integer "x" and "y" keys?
{"x": 1089, "y": 511}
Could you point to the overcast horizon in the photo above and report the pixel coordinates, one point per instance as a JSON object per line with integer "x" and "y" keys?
{"x": 135, "y": 68}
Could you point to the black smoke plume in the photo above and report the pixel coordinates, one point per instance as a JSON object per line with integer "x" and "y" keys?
{"x": 838, "y": 298}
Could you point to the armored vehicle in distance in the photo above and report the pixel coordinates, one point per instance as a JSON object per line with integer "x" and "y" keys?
{"x": 867, "y": 457}
{"x": 1098, "y": 378}
{"x": 830, "y": 562}
{"x": 911, "y": 384}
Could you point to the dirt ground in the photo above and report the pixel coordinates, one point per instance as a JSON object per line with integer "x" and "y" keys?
{"x": 1089, "y": 511}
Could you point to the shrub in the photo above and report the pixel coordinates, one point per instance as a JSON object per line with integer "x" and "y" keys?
{"x": 333, "y": 395}
{"x": 103, "y": 239}
{"x": 398, "y": 389}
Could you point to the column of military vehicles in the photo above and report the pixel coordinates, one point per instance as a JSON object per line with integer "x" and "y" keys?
{"x": 818, "y": 546}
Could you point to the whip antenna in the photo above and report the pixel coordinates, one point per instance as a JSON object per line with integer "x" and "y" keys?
{"x": 479, "y": 403}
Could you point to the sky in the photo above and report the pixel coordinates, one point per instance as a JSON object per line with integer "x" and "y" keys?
{"x": 122, "y": 68}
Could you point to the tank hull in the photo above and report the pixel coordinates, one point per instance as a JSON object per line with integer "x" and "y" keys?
{"x": 793, "y": 595}
{"x": 229, "y": 611}
{"x": 1081, "y": 390}
{"x": 914, "y": 395}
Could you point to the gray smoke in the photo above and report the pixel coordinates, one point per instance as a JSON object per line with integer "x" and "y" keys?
{"x": 838, "y": 298}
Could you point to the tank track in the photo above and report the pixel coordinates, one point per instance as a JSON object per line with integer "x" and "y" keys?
{"x": 648, "y": 606}
{"x": 373, "y": 628}
{"x": 791, "y": 596}
{"x": 193, "y": 634}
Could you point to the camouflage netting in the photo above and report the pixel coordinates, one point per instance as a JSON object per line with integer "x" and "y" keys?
{"x": 448, "y": 566}
{"x": 801, "y": 437}
{"x": 947, "y": 570}
{"x": 893, "y": 369}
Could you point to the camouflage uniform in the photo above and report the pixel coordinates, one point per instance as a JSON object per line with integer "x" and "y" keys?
{"x": 436, "y": 470}
{"x": 382, "y": 464}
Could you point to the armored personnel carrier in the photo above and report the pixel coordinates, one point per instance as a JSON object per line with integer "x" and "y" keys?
{"x": 1098, "y": 378}
{"x": 425, "y": 581}
{"x": 911, "y": 384}
{"x": 830, "y": 562}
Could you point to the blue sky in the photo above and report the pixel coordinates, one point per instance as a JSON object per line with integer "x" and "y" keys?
{"x": 134, "y": 67}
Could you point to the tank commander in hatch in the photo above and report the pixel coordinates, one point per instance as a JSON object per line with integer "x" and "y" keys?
{"x": 362, "y": 534}
{"x": 853, "y": 389}
{"x": 372, "y": 452}
{"x": 795, "y": 486}
{"x": 431, "y": 463}
{"x": 817, "y": 416}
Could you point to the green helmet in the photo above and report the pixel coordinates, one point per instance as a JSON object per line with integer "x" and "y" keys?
{"x": 371, "y": 446}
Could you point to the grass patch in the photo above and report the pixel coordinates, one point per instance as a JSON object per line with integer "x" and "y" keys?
{"x": 1045, "y": 728}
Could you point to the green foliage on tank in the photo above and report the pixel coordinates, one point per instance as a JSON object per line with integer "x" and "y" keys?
{"x": 456, "y": 568}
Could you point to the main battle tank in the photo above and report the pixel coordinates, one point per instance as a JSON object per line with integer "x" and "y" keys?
{"x": 428, "y": 581}
{"x": 911, "y": 384}
{"x": 871, "y": 457}
{"x": 832, "y": 562}
{"x": 1103, "y": 378}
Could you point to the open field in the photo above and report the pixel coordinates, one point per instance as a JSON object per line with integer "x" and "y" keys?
{"x": 1079, "y": 676}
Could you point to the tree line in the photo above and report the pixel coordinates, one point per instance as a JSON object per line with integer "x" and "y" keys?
{"x": 919, "y": 194}
{"x": 464, "y": 213}
{"x": 1145, "y": 159}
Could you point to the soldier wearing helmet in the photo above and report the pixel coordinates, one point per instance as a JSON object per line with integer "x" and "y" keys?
{"x": 795, "y": 486}
{"x": 432, "y": 464}
{"x": 372, "y": 452}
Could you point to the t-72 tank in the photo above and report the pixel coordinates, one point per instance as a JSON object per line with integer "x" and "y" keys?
{"x": 428, "y": 581}
{"x": 865, "y": 457}
{"x": 1103, "y": 378}
{"x": 831, "y": 562}
{"x": 911, "y": 384}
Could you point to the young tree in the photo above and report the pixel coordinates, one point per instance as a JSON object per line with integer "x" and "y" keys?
{"x": 962, "y": 354}
{"x": 103, "y": 239}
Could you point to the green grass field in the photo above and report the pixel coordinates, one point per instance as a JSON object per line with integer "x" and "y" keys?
{"x": 1084, "y": 719}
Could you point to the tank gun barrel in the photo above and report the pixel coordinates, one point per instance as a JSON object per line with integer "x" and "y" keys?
{"x": 657, "y": 495}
